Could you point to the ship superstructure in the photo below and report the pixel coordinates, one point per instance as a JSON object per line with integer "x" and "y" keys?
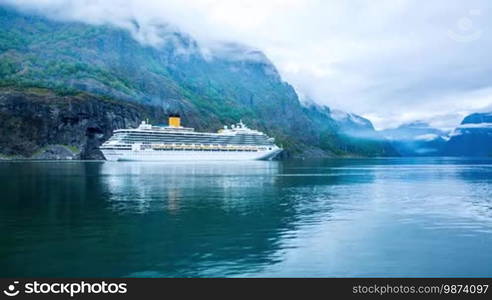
{"x": 175, "y": 142}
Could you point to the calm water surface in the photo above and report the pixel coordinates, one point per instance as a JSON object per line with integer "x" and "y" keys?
{"x": 361, "y": 217}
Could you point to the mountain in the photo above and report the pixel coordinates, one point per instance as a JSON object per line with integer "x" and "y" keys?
{"x": 352, "y": 133}
{"x": 416, "y": 139}
{"x": 208, "y": 88}
{"x": 352, "y": 124}
{"x": 472, "y": 138}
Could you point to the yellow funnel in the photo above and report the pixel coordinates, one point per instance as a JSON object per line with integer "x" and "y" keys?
{"x": 174, "y": 121}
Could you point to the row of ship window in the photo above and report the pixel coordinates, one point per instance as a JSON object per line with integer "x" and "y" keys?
{"x": 188, "y": 149}
{"x": 208, "y": 150}
{"x": 190, "y": 137}
{"x": 173, "y": 147}
{"x": 185, "y": 133}
{"x": 204, "y": 147}
{"x": 201, "y": 141}
{"x": 231, "y": 142}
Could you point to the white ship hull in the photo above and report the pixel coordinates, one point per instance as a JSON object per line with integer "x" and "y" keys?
{"x": 187, "y": 155}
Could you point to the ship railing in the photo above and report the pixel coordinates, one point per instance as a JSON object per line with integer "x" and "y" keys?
{"x": 205, "y": 147}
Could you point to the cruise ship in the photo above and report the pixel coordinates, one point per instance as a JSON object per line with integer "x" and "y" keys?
{"x": 175, "y": 142}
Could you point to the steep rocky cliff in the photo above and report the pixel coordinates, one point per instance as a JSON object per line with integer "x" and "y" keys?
{"x": 38, "y": 123}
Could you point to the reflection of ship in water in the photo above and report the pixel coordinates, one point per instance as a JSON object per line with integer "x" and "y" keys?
{"x": 140, "y": 187}
{"x": 201, "y": 212}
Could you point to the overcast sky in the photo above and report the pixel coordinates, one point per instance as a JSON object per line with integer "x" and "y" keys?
{"x": 392, "y": 61}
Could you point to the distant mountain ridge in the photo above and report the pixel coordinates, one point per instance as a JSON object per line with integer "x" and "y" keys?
{"x": 417, "y": 139}
{"x": 472, "y": 138}
{"x": 208, "y": 90}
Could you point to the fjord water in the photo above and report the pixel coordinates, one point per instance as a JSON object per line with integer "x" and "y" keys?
{"x": 348, "y": 217}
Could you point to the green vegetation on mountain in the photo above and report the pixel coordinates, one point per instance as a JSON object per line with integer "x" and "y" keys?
{"x": 209, "y": 91}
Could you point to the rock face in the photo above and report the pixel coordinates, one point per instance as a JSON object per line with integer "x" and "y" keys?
{"x": 56, "y": 152}
{"x": 417, "y": 139}
{"x": 39, "y": 124}
{"x": 472, "y": 138}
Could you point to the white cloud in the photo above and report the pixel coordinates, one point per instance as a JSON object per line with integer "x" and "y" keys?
{"x": 426, "y": 137}
{"x": 393, "y": 61}
{"x": 475, "y": 125}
